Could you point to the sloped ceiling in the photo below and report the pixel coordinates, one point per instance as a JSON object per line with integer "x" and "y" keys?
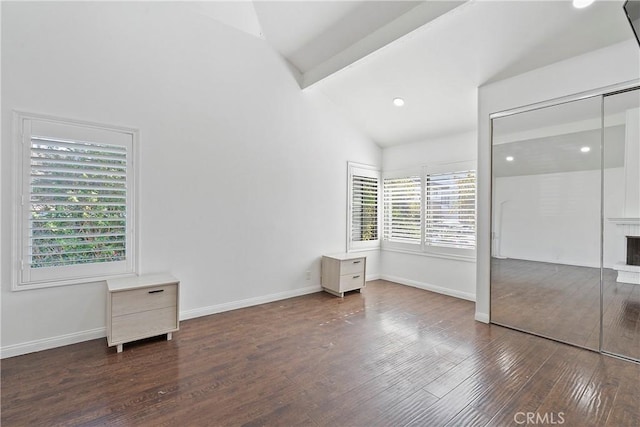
{"x": 434, "y": 54}
{"x": 308, "y": 33}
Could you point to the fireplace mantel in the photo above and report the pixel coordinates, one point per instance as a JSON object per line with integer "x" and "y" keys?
{"x": 627, "y": 226}
{"x": 625, "y": 221}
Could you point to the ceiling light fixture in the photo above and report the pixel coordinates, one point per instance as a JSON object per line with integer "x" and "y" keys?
{"x": 509, "y": 158}
{"x": 585, "y": 149}
{"x": 581, "y": 4}
{"x": 398, "y": 102}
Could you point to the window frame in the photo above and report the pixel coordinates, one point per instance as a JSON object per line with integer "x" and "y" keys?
{"x": 23, "y": 279}
{"x": 423, "y": 248}
{"x": 398, "y": 245}
{"x": 369, "y": 171}
{"x": 428, "y": 203}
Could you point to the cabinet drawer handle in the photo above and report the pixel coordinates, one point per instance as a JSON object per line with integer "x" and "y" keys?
{"x": 355, "y": 277}
{"x": 157, "y": 291}
{"x": 357, "y": 262}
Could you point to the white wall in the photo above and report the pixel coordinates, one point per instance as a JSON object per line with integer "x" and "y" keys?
{"x": 603, "y": 67}
{"x": 449, "y": 276}
{"x": 243, "y": 176}
{"x": 556, "y": 217}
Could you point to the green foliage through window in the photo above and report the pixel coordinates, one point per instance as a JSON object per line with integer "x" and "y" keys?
{"x": 78, "y": 195}
{"x": 364, "y": 209}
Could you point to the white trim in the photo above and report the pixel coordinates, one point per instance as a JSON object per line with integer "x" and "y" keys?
{"x": 376, "y": 249}
{"x": 429, "y": 287}
{"x": 624, "y": 221}
{"x": 602, "y": 91}
{"x": 18, "y": 153}
{"x": 51, "y": 342}
{"x": 403, "y": 173}
{"x": 437, "y": 251}
{"x": 449, "y": 167}
{"x": 372, "y": 172}
{"x": 463, "y": 258}
{"x": 551, "y": 260}
{"x": 249, "y": 302}
{"x": 482, "y": 317}
{"x": 76, "y": 337}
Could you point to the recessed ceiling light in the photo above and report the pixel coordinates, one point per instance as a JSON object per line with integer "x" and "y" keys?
{"x": 398, "y": 102}
{"x": 509, "y": 158}
{"x": 585, "y": 149}
{"x": 581, "y": 4}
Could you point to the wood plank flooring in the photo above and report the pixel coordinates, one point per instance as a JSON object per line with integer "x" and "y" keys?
{"x": 563, "y": 302}
{"x": 389, "y": 356}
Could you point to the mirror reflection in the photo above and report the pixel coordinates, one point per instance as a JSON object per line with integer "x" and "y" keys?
{"x": 545, "y": 270}
{"x": 621, "y": 237}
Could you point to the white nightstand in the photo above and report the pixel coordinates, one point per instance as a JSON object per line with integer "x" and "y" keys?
{"x": 142, "y": 307}
{"x": 343, "y": 272}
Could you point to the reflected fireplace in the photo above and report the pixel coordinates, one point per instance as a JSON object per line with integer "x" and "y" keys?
{"x": 629, "y": 250}
{"x": 633, "y": 250}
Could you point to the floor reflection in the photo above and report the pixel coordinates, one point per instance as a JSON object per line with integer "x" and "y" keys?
{"x": 621, "y": 318}
{"x": 563, "y": 302}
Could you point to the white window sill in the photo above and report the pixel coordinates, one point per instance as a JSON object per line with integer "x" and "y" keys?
{"x": 463, "y": 258}
{"x": 67, "y": 282}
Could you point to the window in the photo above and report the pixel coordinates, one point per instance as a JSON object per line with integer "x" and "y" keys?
{"x": 363, "y": 219}
{"x": 402, "y": 209}
{"x": 432, "y": 211}
{"x": 76, "y": 185}
{"x": 450, "y": 209}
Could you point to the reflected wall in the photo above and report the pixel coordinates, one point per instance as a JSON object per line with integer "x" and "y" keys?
{"x": 621, "y": 227}
{"x": 565, "y": 241}
{"x": 547, "y": 186}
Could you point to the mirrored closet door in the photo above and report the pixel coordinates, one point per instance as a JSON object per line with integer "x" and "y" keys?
{"x": 621, "y": 237}
{"x": 545, "y": 264}
{"x": 565, "y": 254}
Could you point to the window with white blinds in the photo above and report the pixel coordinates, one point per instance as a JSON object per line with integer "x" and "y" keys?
{"x": 402, "y": 198}
{"x": 77, "y": 203}
{"x": 427, "y": 211}
{"x": 450, "y": 209}
{"x": 364, "y": 190}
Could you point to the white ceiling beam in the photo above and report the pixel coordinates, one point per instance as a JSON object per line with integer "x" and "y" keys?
{"x": 240, "y": 15}
{"x": 394, "y": 30}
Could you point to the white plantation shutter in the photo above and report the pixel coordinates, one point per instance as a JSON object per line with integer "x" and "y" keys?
{"x": 77, "y": 203}
{"x": 402, "y": 209}
{"x": 450, "y": 218}
{"x": 364, "y": 209}
{"x": 364, "y": 190}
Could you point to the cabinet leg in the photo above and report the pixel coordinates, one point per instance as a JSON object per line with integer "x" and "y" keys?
{"x": 169, "y": 336}
{"x": 119, "y": 348}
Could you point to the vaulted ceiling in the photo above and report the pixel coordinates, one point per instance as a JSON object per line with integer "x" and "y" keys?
{"x": 433, "y": 54}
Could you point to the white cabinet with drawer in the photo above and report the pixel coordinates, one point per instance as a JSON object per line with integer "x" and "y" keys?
{"x": 141, "y": 307}
{"x": 343, "y": 272}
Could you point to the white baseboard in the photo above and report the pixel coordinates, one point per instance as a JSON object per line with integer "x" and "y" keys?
{"x": 76, "y": 337}
{"x": 557, "y": 261}
{"x": 482, "y": 317}
{"x": 234, "y": 305}
{"x": 53, "y": 342}
{"x": 429, "y": 287}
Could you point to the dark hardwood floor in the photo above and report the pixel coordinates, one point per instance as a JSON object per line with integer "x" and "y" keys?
{"x": 389, "y": 356}
{"x": 563, "y": 302}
